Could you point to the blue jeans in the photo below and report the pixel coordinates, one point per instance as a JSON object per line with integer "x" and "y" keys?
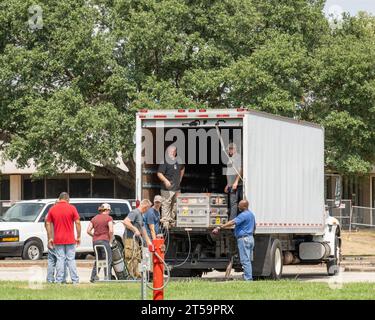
{"x": 245, "y": 248}
{"x": 66, "y": 255}
{"x": 52, "y": 261}
{"x": 234, "y": 198}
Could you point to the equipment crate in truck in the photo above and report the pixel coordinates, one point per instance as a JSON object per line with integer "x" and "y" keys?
{"x": 282, "y": 177}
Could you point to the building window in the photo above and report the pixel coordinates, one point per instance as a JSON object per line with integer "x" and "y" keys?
{"x": 55, "y": 187}
{"x": 103, "y": 188}
{"x": 328, "y": 188}
{"x": 124, "y": 192}
{"x": 33, "y": 189}
{"x": 79, "y": 188}
{"x": 4, "y": 188}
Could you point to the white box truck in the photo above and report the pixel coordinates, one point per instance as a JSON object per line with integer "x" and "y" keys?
{"x": 283, "y": 180}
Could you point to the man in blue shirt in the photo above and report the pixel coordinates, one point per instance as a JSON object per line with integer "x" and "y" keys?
{"x": 244, "y": 232}
{"x": 152, "y": 218}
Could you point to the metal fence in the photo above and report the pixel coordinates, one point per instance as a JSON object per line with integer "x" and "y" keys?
{"x": 343, "y": 213}
{"x": 352, "y": 217}
{"x": 363, "y": 217}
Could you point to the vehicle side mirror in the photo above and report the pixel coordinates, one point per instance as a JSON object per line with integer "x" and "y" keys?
{"x": 338, "y": 192}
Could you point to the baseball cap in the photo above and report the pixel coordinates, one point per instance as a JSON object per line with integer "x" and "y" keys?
{"x": 105, "y": 206}
{"x": 158, "y": 198}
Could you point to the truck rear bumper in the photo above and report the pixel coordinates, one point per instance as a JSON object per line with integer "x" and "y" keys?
{"x": 11, "y": 249}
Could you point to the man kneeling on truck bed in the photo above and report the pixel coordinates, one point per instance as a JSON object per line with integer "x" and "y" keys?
{"x": 244, "y": 233}
{"x": 170, "y": 174}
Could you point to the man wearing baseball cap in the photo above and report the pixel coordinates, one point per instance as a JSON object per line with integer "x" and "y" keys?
{"x": 101, "y": 229}
{"x": 152, "y": 218}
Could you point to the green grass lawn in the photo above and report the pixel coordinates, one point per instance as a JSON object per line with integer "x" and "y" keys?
{"x": 194, "y": 289}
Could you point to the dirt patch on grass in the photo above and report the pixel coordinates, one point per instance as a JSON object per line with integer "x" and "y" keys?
{"x": 358, "y": 243}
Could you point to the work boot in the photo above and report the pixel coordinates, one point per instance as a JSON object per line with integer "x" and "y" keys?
{"x": 92, "y": 280}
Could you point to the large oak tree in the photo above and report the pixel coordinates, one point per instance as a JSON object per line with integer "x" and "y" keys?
{"x": 69, "y": 90}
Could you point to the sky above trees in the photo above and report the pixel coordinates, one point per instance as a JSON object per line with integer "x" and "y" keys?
{"x": 351, "y": 6}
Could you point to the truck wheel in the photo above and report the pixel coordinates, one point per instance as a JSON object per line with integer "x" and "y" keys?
{"x": 32, "y": 250}
{"x": 276, "y": 260}
{"x": 333, "y": 265}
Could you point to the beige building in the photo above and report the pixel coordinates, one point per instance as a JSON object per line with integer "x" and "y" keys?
{"x": 17, "y": 184}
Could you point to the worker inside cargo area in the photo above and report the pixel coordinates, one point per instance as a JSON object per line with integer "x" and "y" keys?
{"x": 244, "y": 232}
{"x": 234, "y": 180}
{"x": 170, "y": 173}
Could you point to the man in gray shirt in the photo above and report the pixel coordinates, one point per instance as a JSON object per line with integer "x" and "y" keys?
{"x": 234, "y": 182}
{"x": 134, "y": 226}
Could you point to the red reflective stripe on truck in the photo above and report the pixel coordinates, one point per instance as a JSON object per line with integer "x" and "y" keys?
{"x": 181, "y": 110}
{"x": 222, "y": 116}
{"x": 202, "y": 110}
{"x": 290, "y": 224}
{"x": 180, "y": 116}
{"x": 160, "y": 116}
{"x": 240, "y": 116}
{"x": 142, "y": 117}
{"x": 202, "y": 116}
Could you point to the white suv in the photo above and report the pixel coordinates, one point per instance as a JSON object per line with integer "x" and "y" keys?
{"x": 22, "y": 232}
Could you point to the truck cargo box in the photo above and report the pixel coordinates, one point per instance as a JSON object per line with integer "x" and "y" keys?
{"x": 284, "y": 173}
{"x": 283, "y": 163}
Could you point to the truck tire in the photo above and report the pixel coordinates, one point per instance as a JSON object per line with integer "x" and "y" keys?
{"x": 333, "y": 265}
{"x": 33, "y": 250}
{"x": 276, "y": 260}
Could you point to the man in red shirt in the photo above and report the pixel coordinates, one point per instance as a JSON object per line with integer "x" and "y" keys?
{"x": 101, "y": 229}
{"x": 63, "y": 216}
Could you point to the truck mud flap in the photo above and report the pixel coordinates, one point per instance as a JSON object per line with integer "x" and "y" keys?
{"x": 262, "y": 258}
